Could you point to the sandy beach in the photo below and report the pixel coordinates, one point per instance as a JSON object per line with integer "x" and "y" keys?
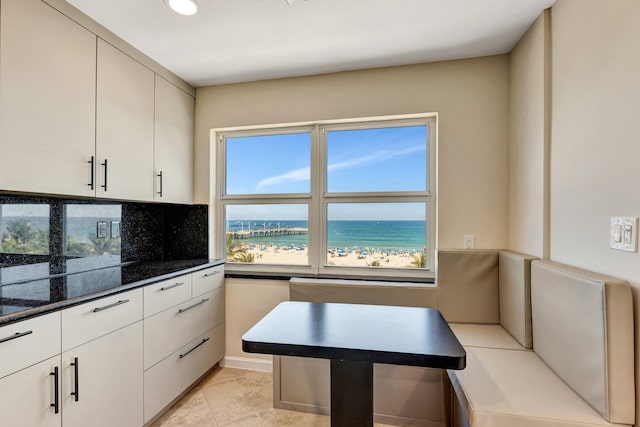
{"x": 273, "y": 254}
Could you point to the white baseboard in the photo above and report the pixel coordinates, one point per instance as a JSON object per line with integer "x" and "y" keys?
{"x": 247, "y": 363}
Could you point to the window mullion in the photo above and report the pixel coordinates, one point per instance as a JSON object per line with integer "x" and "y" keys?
{"x": 317, "y": 213}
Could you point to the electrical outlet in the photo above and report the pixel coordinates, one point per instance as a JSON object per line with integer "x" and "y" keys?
{"x": 469, "y": 241}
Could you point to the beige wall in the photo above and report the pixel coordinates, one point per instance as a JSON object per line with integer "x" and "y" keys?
{"x": 595, "y": 144}
{"x": 529, "y": 141}
{"x": 470, "y": 96}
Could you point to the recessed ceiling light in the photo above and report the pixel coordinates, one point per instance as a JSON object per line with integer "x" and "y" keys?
{"x": 183, "y": 7}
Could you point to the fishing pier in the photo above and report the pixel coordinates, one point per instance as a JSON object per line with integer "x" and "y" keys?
{"x": 267, "y": 232}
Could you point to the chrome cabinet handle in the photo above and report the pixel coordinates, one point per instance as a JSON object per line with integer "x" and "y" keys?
{"x": 97, "y": 309}
{"x": 182, "y": 310}
{"x": 76, "y": 391}
{"x": 204, "y": 340}
{"x": 211, "y": 274}
{"x": 14, "y": 336}
{"x": 56, "y": 397}
{"x": 175, "y": 285}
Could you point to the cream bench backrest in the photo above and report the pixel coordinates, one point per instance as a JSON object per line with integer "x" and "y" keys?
{"x": 468, "y": 285}
{"x": 486, "y": 287}
{"x": 583, "y": 330}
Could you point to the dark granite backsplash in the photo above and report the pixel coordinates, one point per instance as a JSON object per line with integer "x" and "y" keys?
{"x": 64, "y": 232}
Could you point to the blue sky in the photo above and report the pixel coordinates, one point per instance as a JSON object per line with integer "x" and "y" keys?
{"x": 386, "y": 159}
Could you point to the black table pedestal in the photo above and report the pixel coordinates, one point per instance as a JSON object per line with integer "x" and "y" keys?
{"x": 351, "y": 393}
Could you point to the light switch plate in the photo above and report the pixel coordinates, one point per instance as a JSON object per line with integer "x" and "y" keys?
{"x": 623, "y": 234}
{"x": 101, "y": 230}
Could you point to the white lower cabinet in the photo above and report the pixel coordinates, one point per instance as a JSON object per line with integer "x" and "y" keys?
{"x": 100, "y": 364}
{"x": 184, "y": 341}
{"x": 169, "y": 378}
{"x": 173, "y": 328}
{"x": 31, "y": 397}
{"x": 102, "y": 381}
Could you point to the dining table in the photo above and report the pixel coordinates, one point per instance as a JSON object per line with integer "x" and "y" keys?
{"x": 354, "y": 337}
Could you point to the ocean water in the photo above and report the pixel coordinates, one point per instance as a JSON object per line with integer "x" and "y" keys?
{"x": 383, "y": 235}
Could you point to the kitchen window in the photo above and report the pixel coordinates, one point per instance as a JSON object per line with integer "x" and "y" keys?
{"x": 341, "y": 198}
{"x": 24, "y": 228}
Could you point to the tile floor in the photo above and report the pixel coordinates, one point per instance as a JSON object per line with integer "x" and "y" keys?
{"x": 235, "y": 397}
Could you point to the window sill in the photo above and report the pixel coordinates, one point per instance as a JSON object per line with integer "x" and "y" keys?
{"x": 364, "y": 279}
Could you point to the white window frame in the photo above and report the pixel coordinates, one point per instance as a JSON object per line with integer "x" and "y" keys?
{"x": 318, "y": 198}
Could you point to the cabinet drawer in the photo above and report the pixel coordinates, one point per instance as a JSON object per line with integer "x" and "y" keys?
{"x": 31, "y": 341}
{"x": 166, "y": 380}
{"x": 160, "y": 296}
{"x": 171, "y": 329}
{"x": 208, "y": 280}
{"x": 97, "y": 318}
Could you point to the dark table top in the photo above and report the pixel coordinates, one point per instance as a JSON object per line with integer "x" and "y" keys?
{"x": 370, "y": 333}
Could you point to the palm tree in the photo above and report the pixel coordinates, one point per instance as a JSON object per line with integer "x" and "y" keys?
{"x": 20, "y": 231}
{"x": 419, "y": 260}
{"x": 244, "y": 258}
{"x": 20, "y": 237}
{"x": 101, "y": 246}
{"x": 236, "y": 252}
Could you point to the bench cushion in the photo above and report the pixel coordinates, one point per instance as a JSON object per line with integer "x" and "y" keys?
{"x": 506, "y": 388}
{"x": 363, "y": 292}
{"x": 515, "y": 295}
{"x": 488, "y": 336}
{"x": 583, "y": 329}
{"x": 468, "y": 285}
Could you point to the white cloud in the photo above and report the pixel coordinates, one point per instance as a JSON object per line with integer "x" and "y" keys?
{"x": 382, "y": 154}
{"x": 303, "y": 174}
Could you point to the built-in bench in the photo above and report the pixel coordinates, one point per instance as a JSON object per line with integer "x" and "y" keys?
{"x": 553, "y": 348}
{"x": 547, "y": 345}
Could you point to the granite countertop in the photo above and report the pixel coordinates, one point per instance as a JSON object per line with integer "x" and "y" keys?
{"x": 28, "y": 290}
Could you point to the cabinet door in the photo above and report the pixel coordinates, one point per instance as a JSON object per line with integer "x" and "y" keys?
{"x": 47, "y": 100}
{"x": 109, "y": 381}
{"x": 28, "y": 396}
{"x": 124, "y": 126}
{"x": 173, "y": 143}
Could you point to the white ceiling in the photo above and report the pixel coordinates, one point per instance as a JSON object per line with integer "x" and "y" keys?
{"x": 246, "y": 40}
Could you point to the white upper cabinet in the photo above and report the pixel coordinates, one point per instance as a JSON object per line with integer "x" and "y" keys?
{"x": 47, "y": 100}
{"x": 173, "y": 159}
{"x": 124, "y": 126}
{"x": 79, "y": 117}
